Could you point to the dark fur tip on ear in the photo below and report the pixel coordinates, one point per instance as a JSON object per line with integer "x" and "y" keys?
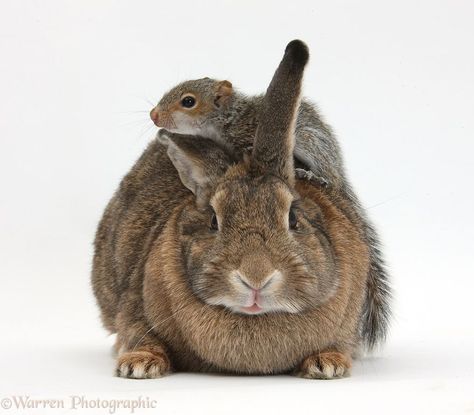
{"x": 298, "y": 51}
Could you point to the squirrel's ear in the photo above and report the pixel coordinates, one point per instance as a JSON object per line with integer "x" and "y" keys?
{"x": 222, "y": 93}
{"x": 200, "y": 162}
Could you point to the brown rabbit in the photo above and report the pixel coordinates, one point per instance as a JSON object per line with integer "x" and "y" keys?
{"x": 206, "y": 263}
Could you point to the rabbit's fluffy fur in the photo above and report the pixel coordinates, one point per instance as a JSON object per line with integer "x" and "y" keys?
{"x": 174, "y": 281}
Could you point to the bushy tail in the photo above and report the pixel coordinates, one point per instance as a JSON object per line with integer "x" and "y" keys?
{"x": 376, "y": 313}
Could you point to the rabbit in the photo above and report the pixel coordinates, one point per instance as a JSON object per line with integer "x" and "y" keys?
{"x": 206, "y": 262}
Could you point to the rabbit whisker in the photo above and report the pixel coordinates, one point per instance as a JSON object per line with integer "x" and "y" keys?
{"x": 158, "y": 323}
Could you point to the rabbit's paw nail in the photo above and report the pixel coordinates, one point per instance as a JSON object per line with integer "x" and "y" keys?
{"x": 143, "y": 365}
{"x": 325, "y": 365}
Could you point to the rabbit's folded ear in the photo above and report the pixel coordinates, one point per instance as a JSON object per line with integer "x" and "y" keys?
{"x": 200, "y": 162}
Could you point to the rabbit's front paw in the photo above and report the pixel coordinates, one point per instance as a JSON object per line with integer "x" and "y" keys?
{"x": 143, "y": 364}
{"x": 329, "y": 364}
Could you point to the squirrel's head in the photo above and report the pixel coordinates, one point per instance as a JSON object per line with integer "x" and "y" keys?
{"x": 186, "y": 107}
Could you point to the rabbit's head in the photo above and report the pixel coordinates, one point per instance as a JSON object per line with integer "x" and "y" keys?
{"x": 252, "y": 243}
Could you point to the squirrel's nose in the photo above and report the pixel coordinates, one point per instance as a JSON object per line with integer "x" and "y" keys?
{"x": 154, "y": 116}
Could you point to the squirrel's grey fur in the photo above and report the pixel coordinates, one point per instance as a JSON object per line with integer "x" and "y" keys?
{"x": 315, "y": 147}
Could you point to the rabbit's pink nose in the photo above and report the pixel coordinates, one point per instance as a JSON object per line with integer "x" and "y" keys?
{"x": 154, "y": 116}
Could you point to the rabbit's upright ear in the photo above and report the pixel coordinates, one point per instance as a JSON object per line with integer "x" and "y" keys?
{"x": 274, "y": 141}
{"x": 200, "y": 162}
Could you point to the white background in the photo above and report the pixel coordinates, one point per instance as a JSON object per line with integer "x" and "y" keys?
{"x": 395, "y": 79}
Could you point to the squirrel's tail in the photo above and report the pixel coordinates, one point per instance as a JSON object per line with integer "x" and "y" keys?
{"x": 376, "y": 312}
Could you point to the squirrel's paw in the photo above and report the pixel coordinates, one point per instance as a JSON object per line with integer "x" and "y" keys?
{"x": 142, "y": 364}
{"x": 328, "y": 364}
{"x": 163, "y": 136}
{"x": 311, "y": 177}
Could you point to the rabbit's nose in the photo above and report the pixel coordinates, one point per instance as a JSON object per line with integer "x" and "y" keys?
{"x": 256, "y": 286}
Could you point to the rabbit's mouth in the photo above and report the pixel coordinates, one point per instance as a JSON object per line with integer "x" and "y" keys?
{"x": 250, "y": 296}
{"x": 253, "y": 309}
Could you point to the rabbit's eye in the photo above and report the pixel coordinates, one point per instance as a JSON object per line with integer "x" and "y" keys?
{"x": 292, "y": 220}
{"x": 188, "y": 101}
{"x": 214, "y": 223}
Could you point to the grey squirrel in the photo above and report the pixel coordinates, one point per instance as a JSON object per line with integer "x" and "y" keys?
{"x": 214, "y": 109}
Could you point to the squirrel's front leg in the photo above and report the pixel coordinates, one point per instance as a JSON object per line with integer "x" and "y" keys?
{"x": 326, "y": 364}
{"x": 311, "y": 177}
{"x": 140, "y": 355}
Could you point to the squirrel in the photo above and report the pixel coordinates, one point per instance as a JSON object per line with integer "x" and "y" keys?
{"x": 214, "y": 109}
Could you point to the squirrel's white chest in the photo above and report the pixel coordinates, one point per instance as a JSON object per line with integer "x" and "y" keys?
{"x": 187, "y": 125}
{"x": 208, "y": 131}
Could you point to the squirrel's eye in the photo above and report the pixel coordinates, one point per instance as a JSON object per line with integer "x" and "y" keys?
{"x": 214, "y": 223}
{"x": 292, "y": 220}
{"x": 188, "y": 102}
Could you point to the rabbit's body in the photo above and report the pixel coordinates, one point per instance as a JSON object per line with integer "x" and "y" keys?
{"x": 204, "y": 262}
